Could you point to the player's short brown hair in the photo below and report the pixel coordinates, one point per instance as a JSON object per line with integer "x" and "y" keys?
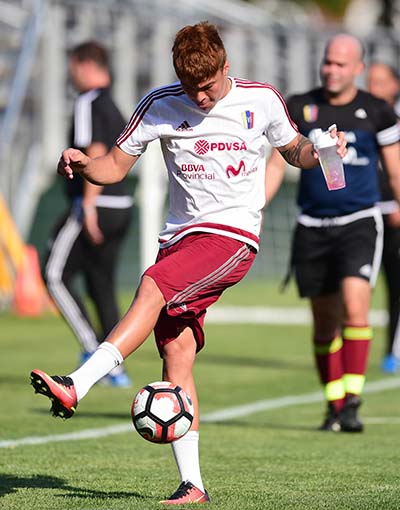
{"x": 91, "y": 50}
{"x": 198, "y": 53}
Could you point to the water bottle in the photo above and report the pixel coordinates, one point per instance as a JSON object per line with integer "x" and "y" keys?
{"x": 330, "y": 161}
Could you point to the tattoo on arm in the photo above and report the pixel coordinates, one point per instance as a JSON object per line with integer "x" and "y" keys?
{"x": 293, "y": 154}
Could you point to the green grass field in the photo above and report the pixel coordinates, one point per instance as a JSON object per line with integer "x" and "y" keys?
{"x": 271, "y": 459}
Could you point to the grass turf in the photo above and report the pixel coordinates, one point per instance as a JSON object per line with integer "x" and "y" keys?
{"x": 267, "y": 460}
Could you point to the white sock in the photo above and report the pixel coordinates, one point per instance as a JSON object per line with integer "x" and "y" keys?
{"x": 186, "y": 453}
{"x": 101, "y": 362}
{"x": 118, "y": 370}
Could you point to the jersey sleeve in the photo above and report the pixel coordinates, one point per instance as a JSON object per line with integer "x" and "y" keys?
{"x": 83, "y": 119}
{"x": 281, "y": 129}
{"x": 388, "y": 130}
{"x": 141, "y": 128}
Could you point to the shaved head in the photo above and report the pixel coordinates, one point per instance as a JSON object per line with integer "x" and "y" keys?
{"x": 341, "y": 65}
{"x": 346, "y": 43}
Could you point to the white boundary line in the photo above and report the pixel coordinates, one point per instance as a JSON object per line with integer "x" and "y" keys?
{"x": 217, "y": 416}
{"x": 382, "y": 420}
{"x": 275, "y": 315}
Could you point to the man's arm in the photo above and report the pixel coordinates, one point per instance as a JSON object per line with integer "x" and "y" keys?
{"x": 106, "y": 169}
{"x": 300, "y": 151}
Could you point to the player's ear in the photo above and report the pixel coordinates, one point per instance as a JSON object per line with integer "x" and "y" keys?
{"x": 225, "y": 69}
{"x": 360, "y": 68}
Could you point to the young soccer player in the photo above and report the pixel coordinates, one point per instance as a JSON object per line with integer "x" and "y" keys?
{"x": 213, "y": 130}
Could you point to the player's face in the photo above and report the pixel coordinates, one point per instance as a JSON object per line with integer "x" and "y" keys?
{"x": 339, "y": 69}
{"x": 80, "y": 74}
{"x": 381, "y": 83}
{"x": 206, "y": 94}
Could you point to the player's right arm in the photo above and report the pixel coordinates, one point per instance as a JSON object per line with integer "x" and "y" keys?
{"x": 107, "y": 169}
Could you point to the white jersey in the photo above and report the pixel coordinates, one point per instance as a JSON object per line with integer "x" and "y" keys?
{"x": 215, "y": 159}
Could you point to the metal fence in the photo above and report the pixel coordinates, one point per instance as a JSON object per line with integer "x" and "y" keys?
{"x": 36, "y": 100}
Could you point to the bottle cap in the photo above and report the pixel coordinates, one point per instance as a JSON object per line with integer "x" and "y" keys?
{"x": 324, "y": 139}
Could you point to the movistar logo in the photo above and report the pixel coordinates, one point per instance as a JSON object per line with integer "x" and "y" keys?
{"x": 232, "y": 171}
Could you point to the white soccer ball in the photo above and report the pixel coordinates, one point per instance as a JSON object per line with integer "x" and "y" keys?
{"x": 162, "y": 412}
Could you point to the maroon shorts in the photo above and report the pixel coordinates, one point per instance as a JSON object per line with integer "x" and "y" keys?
{"x": 192, "y": 274}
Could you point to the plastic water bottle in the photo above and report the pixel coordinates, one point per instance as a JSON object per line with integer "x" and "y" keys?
{"x": 330, "y": 161}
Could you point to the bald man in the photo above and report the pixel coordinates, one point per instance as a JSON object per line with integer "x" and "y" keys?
{"x": 337, "y": 244}
{"x": 383, "y": 81}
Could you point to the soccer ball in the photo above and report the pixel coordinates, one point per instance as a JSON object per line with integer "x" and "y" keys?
{"x": 162, "y": 412}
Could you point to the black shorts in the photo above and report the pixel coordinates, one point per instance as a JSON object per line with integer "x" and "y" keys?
{"x": 325, "y": 254}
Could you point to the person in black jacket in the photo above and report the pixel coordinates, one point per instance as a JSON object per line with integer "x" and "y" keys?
{"x": 87, "y": 240}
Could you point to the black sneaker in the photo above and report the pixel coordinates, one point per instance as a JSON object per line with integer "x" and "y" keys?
{"x": 331, "y": 422}
{"x": 348, "y": 416}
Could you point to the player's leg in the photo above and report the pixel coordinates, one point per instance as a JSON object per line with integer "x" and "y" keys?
{"x": 361, "y": 244}
{"x": 317, "y": 280}
{"x": 328, "y": 346}
{"x": 190, "y": 275}
{"x": 178, "y": 359}
{"x": 62, "y": 263}
{"x": 100, "y": 279}
{"x": 202, "y": 269}
{"x": 102, "y": 265}
{"x": 100, "y": 271}
{"x": 357, "y": 336}
{"x": 126, "y": 337}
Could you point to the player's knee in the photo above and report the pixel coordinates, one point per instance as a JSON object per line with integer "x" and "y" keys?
{"x": 179, "y": 354}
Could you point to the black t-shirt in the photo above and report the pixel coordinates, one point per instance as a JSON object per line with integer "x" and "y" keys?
{"x": 96, "y": 119}
{"x": 368, "y": 122}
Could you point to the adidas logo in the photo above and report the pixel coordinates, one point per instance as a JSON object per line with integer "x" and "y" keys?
{"x": 365, "y": 270}
{"x": 360, "y": 113}
{"x": 185, "y": 126}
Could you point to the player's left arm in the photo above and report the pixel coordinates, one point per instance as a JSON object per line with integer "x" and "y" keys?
{"x": 108, "y": 169}
{"x": 300, "y": 151}
{"x": 390, "y": 157}
{"x": 90, "y": 193}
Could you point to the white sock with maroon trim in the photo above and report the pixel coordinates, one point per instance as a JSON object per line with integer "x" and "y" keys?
{"x": 101, "y": 362}
{"x": 186, "y": 453}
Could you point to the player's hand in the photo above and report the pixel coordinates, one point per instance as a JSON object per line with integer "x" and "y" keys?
{"x": 341, "y": 140}
{"x": 72, "y": 161}
{"x": 393, "y": 219}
